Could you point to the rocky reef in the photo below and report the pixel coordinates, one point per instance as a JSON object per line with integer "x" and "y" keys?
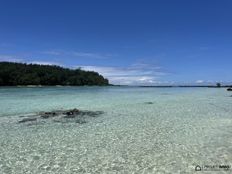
{"x": 62, "y": 116}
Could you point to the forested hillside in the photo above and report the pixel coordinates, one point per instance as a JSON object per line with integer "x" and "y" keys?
{"x": 12, "y": 74}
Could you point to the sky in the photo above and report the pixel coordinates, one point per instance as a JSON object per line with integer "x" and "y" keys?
{"x": 129, "y": 42}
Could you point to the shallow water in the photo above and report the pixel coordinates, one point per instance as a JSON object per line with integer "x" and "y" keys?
{"x": 142, "y": 130}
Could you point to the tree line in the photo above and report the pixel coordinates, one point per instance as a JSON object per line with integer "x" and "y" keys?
{"x": 13, "y": 74}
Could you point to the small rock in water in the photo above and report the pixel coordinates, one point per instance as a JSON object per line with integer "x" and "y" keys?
{"x": 69, "y": 113}
{"x": 27, "y": 120}
{"x": 229, "y": 89}
{"x": 149, "y": 103}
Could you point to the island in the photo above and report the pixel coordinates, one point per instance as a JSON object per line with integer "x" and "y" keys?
{"x": 22, "y": 74}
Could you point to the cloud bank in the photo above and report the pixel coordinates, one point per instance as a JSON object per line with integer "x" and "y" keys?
{"x": 77, "y": 54}
{"x": 9, "y": 58}
{"x": 137, "y": 74}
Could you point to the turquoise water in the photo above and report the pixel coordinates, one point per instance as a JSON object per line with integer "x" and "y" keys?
{"x": 181, "y": 128}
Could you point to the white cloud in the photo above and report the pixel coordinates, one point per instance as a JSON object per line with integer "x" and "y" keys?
{"x": 91, "y": 55}
{"x": 54, "y": 53}
{"x": 200, "y": 81}
{"x": 44, "y": 63}
{"x": 137, "y": 74}
{"x": 77, "y": 54}
{"x": 10, "y": 58}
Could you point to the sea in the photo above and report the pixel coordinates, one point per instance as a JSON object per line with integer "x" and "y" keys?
{"x": 140, "y": 130}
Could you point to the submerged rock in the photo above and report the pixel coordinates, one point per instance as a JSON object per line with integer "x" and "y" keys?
{"x": 64, "y": 116}
{"x": 72, "y": 113}
{"x": 70, "y": 116}
{"x": 91, "y": 113}
{"x": 27, "y": 120}
{"x": 48, "y": 114}
{"x": 149, "y": 103}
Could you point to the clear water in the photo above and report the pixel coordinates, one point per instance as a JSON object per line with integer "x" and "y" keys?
{"x": 184, "y": 127}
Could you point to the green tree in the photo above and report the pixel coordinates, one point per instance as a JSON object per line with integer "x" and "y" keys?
{"x": 12, "y": 74}
{"x": 218, "y": 85}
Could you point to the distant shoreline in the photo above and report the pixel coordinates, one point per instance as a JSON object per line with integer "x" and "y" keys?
{"x": 190, "y": 86}
{"x": 44, "y": 86}
{"x": 164, "y": 86}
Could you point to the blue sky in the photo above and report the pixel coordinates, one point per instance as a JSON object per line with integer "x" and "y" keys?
{"x": 129, "y": 42}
